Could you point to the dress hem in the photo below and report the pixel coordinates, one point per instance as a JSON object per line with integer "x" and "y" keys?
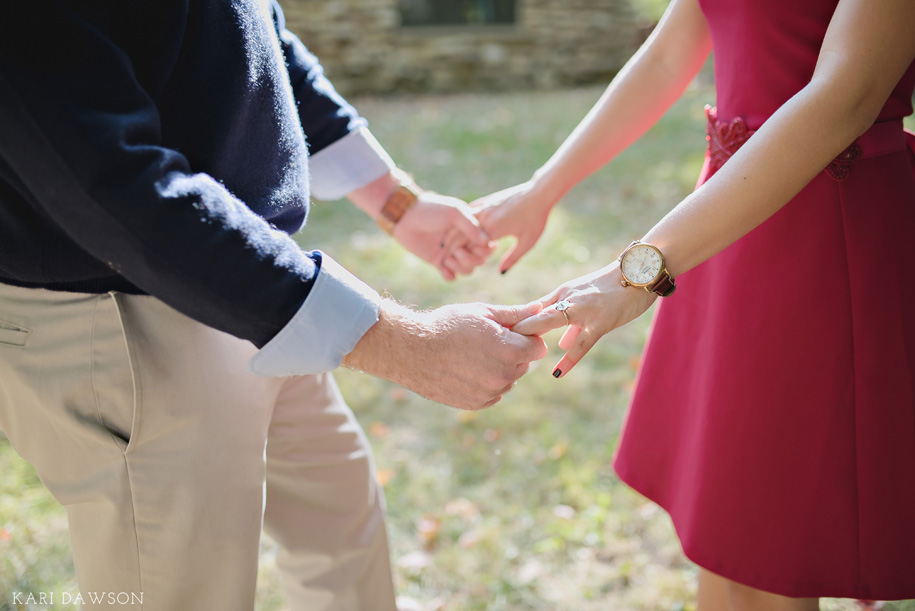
{"x": 804, "y": 590}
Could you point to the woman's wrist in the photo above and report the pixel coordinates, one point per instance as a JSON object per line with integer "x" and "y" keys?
{"x": 547, "y": 188}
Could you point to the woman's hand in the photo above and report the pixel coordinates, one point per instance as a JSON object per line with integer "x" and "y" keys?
{"x": 519, "y": 211}
{"x": 598, "y": 303}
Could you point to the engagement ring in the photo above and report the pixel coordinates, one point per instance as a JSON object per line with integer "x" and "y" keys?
{"x": 563, "y": 306}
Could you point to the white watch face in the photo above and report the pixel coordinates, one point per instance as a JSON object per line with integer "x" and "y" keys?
{"x": 641, "y": 264}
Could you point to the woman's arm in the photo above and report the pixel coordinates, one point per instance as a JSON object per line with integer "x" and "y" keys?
{"x": 867, "y": 48}
{"x": 634, "y": 101}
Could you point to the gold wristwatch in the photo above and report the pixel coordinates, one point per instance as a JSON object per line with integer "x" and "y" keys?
{"x": 643, "y": 265}
{"x": 393, "y": 210}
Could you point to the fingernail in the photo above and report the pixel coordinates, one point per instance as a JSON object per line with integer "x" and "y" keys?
{"x": 557, "y": 373}
{"x": 503, "y": 271}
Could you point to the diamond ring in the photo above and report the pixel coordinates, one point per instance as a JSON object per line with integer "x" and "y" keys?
{"x": 563, "y": 307}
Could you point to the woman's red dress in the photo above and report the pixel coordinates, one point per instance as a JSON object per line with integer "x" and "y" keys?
{"x": 774, "y": 414}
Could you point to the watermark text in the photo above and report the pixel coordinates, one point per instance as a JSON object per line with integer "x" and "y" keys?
{"x": 78, "y": 598}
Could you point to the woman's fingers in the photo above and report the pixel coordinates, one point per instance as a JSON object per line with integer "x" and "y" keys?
{"x": 514, "y": 254}
{"x": 569, "y": 337}
{"x": 583, "y": 343}
{"x": 548, "y": 319}
{"x": 482, "y": 253}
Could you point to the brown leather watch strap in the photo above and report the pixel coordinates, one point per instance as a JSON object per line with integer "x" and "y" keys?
{"x": 665, "y": 285}
{"x": 397, "y": 205}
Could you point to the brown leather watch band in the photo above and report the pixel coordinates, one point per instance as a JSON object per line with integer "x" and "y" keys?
{"x": 665, "y": 285}
{"x": 397, "y": 205}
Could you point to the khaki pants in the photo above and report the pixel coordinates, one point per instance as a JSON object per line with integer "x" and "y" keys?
{"x": 169, "y": 456}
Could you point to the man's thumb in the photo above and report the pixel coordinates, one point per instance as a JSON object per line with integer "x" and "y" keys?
{"x": 508, "y": 316}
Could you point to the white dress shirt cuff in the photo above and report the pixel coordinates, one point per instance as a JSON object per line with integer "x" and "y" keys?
{"x": 336, "y": 314}
{"x": 351, "y": 162}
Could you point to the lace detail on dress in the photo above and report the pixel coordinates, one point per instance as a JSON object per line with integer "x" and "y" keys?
{"x": 725, "y": 139}
{"x": 840, "y": 167}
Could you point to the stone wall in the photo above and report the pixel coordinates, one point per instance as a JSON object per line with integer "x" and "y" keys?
{"x": 364, "y": 49}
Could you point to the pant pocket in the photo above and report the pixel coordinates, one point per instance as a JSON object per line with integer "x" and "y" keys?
{"x": 13, "y": 335}
{"x": 113, "y": 376}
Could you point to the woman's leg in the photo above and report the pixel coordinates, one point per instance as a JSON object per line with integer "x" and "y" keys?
{"x": 719, "y": 594}
{"x": 713, "y": 592}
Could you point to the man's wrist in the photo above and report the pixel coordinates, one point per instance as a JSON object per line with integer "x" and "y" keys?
{"x": 396, "y": 206}
{"x": 381, "y": 349}
{"x": 337, "y": 312}
{"x": 372, "y": 198}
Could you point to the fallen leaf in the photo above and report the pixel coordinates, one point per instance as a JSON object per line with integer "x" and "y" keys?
{"x": 469, "y": 539}
{"x": 462, "y": 507}
{"x": 558, "y": 450}
{"x": 564, "y": 511}
{"x": 408, "y": 603}
{"x": 464, "y": 416}
{"x": 379, "y": 430}
{"x": 385, "y": 476}
{"x": 415, "y": 561}
{"x": 492, "y": 435}
{"x": 530, "y": 571}
{"x": 398, "y": 394}
{"x": 428, "y": 529}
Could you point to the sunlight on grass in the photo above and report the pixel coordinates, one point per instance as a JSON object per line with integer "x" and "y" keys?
{"x": 34, "y": 545}
{"x": 516, "y": 507}
{"x": 542, "y": 521}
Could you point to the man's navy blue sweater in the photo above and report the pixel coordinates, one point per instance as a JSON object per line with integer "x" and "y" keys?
{"x": 159, "y": 146}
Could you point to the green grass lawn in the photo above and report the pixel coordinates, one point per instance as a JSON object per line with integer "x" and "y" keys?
{"x": 516, "y": 507}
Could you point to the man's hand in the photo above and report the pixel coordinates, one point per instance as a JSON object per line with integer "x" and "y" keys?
{"x": 443, "y": 231}
{"x": 438, "y": 229}
{"x": 460, "y": 355}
